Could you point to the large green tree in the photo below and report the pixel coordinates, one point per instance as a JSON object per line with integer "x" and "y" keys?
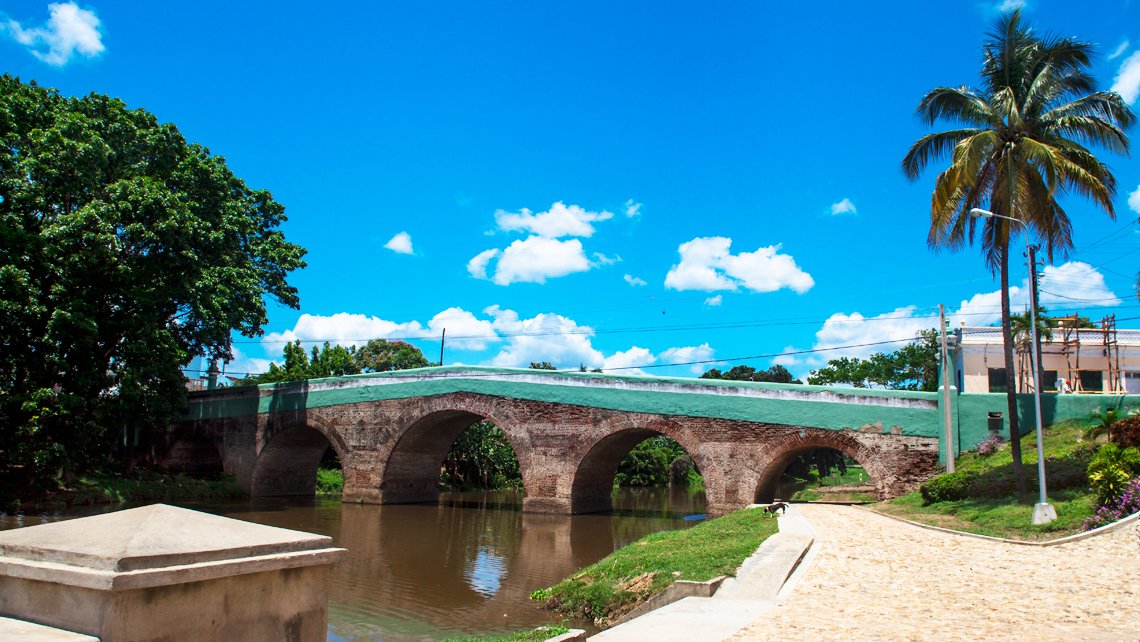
{"x": 912, "y": 367}
{"x": 1020, "y": 141}
{"x": 125, "y": 252}
{"x": 774, "y": 374}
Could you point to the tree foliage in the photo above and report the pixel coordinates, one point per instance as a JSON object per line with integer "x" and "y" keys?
{"x": 481, "y": 458}
{"x": 126, "y": 252}
{"x": 912, "y": 367}
{"x": 542, "y": 365}
{"x": 377, "y": 355}
{"x": 658, "y": 461}
{"x": 775, "y": 374}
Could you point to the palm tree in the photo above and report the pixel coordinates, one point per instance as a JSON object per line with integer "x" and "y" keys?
{"x": 1019, "y": 144}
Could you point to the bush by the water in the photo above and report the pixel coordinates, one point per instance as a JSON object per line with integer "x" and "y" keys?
{"x": 330, "y": 481}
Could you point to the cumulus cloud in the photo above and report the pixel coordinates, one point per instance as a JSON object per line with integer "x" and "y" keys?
{"x": 707, "y": 264}
{"x": 543, "y": 337}
{"x": 400, "y": 243}
{"x": 531, "y": 260}
{"x": 714, "y": 301}
{"x": 602, "y": 259}
{"x": 1010, "y": 5}
{"x": 688, "y": 354}
{"x": 843, "y": 207}
{"x": 1119, "y": 51}
{"x": 69, "y": 30}
{"x": 634, "y": 281}
{"x": 1075, "y": 283}
{"x": 1127, "y": 81}
{"x": 628, "y": 361}
{"x": 560, "y": 220}
{"x": 632, "y": 209}
{"x": 1134, "y": 200}
{"x": 465, "y": 331}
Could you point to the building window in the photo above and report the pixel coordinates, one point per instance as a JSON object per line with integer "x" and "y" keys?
{"x": 1049, "y": 381}
{"x": 997, "y": 380}
{"x": 1092, "y": 380}
{"x": 1132, "y": 382}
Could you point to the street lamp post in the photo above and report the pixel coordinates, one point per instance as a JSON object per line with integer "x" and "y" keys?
{"x": 1043, "y": 511}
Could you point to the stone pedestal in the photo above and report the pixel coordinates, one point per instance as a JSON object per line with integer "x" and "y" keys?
{"x": 166, "y": 573}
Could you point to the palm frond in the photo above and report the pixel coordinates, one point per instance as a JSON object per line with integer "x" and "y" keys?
{"x": 931, "y": 147}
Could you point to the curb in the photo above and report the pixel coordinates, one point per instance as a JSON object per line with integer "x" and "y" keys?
{"x": 1108, "y": 528}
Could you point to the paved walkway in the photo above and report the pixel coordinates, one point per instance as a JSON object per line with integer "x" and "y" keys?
{"x": 874, "y": 578}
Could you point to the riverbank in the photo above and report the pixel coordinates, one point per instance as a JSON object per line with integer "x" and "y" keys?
{"x": 139, "y": 486}
{"x": 604, "y": 591}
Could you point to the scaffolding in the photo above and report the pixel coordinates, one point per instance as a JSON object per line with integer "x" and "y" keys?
{"x": 1070, "y": 343}
{"x": 1071, "y": 349}
{"x": 1114, "y": 385}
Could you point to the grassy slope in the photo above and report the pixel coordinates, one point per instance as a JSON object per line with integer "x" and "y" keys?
{"x": 635, "y": 573}
{"x": 997, "y": 511}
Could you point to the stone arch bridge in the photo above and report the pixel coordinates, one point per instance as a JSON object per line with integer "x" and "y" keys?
{"x": 569, "y": 431}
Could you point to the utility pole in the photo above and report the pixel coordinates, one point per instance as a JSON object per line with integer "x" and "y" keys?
{"x": 947, "y": 416}
{"x": 442, "y": 340}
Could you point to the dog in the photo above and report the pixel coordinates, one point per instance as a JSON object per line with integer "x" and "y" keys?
{"x": 776, "y": 506}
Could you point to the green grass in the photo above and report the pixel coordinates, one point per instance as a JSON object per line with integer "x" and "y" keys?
{"x": 533, "y": 635}
{"x": 643, "y": 569}
{"x": 854, "y": 475}
{"x": 995, "y": 510}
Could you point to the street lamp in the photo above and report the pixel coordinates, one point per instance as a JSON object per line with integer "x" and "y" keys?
{"x": 1043, "y": 511}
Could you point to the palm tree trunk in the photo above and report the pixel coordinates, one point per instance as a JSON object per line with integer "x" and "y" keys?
{"x": 1010, "y": 377}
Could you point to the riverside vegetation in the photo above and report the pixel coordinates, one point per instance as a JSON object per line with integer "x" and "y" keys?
{"x": 631, "y": 575}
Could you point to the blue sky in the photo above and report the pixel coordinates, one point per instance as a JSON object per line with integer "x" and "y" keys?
{"x": 623, "y": 186}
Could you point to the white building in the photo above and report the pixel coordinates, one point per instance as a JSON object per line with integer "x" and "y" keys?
{"x": 1101, "y": 360}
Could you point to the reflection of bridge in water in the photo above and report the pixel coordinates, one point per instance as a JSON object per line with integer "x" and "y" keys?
{"x": 569, "y": 431}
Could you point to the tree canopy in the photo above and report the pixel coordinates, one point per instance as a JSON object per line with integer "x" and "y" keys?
{"x": 377, "y": 355}
{"x": 775, "y": 374}
{"x": 911, "y": 367}
{"x": 126, "y": 252}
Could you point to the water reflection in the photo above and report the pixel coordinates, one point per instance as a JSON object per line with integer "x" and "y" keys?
{"x": 464, "y": 566}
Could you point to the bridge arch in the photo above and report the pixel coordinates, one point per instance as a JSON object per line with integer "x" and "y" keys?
{"x": 593, "y": 475}
{"x": 411, "y": 468}
{"x": 780, "y": 450}
{"x": 290, "y": 452}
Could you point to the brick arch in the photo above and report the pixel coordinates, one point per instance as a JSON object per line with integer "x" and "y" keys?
{"x": 779, "y": 451}
{"x": 410, "y": 468}
{"x": 192, "y": 451}
{"x": 288, "y": 452}
{"x": 593, "y": 474}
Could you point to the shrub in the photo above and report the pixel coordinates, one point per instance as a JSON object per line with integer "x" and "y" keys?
{"x": 1125, "y": 432}
{"x": 989, "y": 445}
{"x": 948, "y": 487}
{"x": 1111, "y": 469}
{"x": 1127, "y": 504}
{"x": 330, "y": 481}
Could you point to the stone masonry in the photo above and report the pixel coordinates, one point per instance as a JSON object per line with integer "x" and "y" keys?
{"x": 391, "y": 449}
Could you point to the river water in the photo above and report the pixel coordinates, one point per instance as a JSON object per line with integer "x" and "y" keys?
{"x": 463, "y": 567}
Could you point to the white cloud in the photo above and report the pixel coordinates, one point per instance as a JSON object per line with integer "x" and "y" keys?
{"x": 602, "y": 259}
{"x": 1119, "y": 51}
{"x": 532, "y": 260}
{"x": 627, "y": 362}
{"x": 632, "y": 209}
{"x": 707, "y": 264}
{"x": 1127, "y": 81}
{"x": 544, "y": 337}
{"x": 464, "y": 330}
{"x": 689, "y": 354}
{"x": 342, "y": 328}
{"x": 400, "y": 243}
{"x": 1010, "y": 5}
{"x": 1134, "y": 200}
{"x": 843, "y": 207}
{"x": 634, "y": 281}
{"x": 69, "y": 30}
{"x": 1075, "y": 283}
{"x": 560, "y": 220}
{"x": 477, "y": 266}
{"x": 714, "y": 301}
{"x": 243, "y": 365}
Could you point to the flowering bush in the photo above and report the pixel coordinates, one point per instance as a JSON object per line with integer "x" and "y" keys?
{"x": 1110, "y": 470}
{"x": 1127, "y": 504}
{"x": 989, "y": 445}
